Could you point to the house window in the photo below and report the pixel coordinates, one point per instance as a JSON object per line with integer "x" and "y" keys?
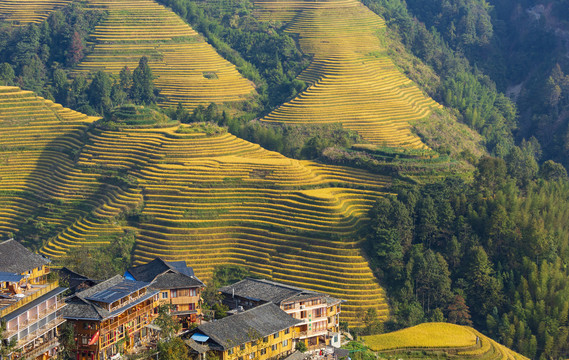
{"x": 289, "y": 306}
{"x": 287, "y": 331}
{"x": 165, "y": 295}
{"x": 274, "y": 347}
{"x": 174, "y": 293}
{"x": 265, "y": 339}
{"x": 84, "y": 340}
{"x": 276, "y": 335}
{"x": 192, "y": 292}
{"x": 242, "y": 347}
{"x": 192, "y": 306}
{"x": 263, "y": 351}
{"x": 303, "y": 314}
{"x": 285, "y": 343}
{"x": 230, "y": 352}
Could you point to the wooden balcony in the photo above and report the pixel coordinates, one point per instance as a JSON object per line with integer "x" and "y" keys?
{"x": 40, "y": 349}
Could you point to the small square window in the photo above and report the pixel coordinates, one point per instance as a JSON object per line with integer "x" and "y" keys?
{"x": 274, "y": 347}
{"x": 242, "y": 347}
{"x": 285, "y": 343}
{"x": 165, "y": 295}
{"x": 287, "y": 331}
{"x": 276, "y": 335}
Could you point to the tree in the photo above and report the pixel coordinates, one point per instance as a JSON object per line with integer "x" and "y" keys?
{"x": 427, "y": 222}
{"x": 174, "y": 349}
{"x": 125, "y": 78}
{"x": 552, "y": 171}
{"x": 67, "y": 341}
{"x": 484, "y": 291}
{"x": 100, "y": 92}
{"x": 7, "y": 74}
{"x": 490, "y": 173}
{"x": 301, "y": 346}
{"x": 168, "y": 326}
{"x": 458, "y": 311}
{"x": 5, "y": 346}
{"x": 76, "y": 49}
{"x": 142, "y": 90}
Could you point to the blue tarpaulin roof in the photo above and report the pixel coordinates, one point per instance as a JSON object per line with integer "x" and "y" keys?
{"x": 10, "y": 277}
{"x": 200, "y": 337}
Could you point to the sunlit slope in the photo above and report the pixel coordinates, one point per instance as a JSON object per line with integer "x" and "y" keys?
{"x": 188, "y": 70}
{"x": 38, "y": 140}
{"x": 217, "y": 199}
{"x": 351, "y": 79}
{"x": 455, "y": 341}
{"x": 23, "y": 12}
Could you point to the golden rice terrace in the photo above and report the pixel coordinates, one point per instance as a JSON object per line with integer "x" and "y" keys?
{"x": 202, "y": 195}
{"x": 23, "y": 12}
{"x": 188, "y": 69}
{"x": 351, "y": 79}
{"x": 438, "y": 340}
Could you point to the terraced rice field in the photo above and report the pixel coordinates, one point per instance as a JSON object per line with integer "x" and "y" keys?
{"x": 214, "y": 200}
{"x": 188, "y": 70}
{"x": 455, "y": 341}
{"x": 23, "y": 12}
{"x": 351, "y": 79}
{"x": 36, "y": 140}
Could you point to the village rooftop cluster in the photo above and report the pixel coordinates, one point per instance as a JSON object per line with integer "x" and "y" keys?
{"x": 114, "y": 317}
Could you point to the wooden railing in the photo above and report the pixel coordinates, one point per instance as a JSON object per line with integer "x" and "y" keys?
{"x": 26, "y": 300}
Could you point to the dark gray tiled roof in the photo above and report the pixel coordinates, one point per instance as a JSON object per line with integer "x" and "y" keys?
{"x": 15, "y": 258}
{"x": 249, "y": 325}
{"x": 175, "y": 281}
{"x": 74, "y": 279}
{"x": 267, "y": 291}
{"x": 149, "y": 271}
{"x": 166, "y": 275}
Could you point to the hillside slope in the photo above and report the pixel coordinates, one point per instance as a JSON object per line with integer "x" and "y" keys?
{"x": 23, "y": 12}
{"x": 191, "y": 193}
{"x": 187, "y": 69}
{"x": 37, "y": 141}
{"x": 436, "y": 339}
{"x": 351, "y": 79}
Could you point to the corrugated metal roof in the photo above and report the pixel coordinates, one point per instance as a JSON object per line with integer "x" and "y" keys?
{"x": 118, "y": 291}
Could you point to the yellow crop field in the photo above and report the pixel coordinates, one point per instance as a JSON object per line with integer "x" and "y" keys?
{"x": 214, "y": 200}
{"x": 351, "y": 80}
{"x": 460, "y": 341}
{"x": 188, "y": 70}
{"x": 23, "y": 12}
{"x": 36, "y": 138}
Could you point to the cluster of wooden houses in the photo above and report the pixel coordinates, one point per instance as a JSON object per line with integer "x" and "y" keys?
{"x": 114, "y": 317}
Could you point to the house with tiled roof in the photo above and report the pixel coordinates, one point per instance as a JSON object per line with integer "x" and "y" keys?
{"x": 319, "y": 313}
{"x": 263, "y": 332}
{"x": 111, "y": 317}
{"x": 178, "y": 287}
{"x": 16, "y": 258}
{"x": 30, "y": 306}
